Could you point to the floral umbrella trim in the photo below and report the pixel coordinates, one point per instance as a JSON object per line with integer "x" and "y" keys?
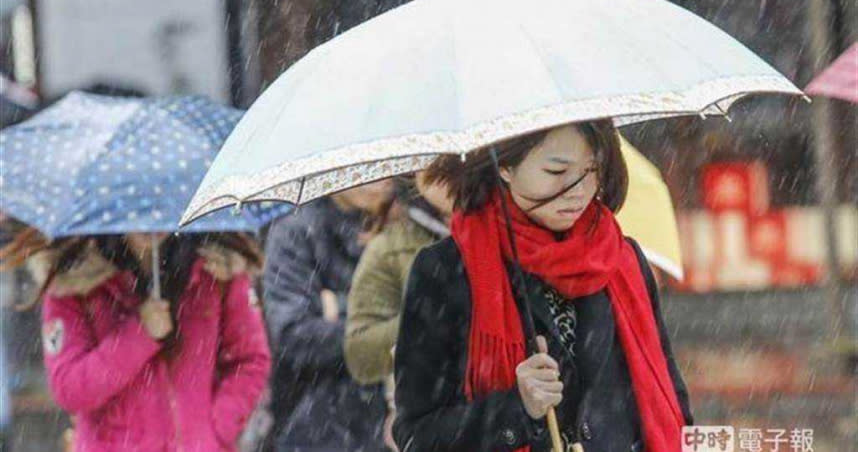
{"x": 303, "y": 180}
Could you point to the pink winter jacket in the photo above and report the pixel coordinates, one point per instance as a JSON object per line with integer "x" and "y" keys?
{"x": 125, "y": 394}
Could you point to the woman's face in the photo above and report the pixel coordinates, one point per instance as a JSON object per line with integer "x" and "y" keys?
{"x": 563, "y": 157}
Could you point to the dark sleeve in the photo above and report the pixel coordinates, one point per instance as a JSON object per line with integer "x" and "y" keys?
{"x": 301, "y": 338}
{"x": 676, "y": 376}
{"x": 432, "y": 414}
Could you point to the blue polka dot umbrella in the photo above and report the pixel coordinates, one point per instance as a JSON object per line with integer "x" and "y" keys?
{"x": 103, "y": 165}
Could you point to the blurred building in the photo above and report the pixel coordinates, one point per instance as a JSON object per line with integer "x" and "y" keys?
{"x": 155, "y": 48}
{"x": 159, "y": 47}
{"x": 752, "y": 320}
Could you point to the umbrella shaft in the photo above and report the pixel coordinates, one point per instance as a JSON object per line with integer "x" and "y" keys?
{"x": 156, "y": 269}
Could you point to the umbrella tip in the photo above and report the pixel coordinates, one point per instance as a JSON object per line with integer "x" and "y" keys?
{"x": 702, "y": 115}
{"x": 807, "y": 98}
{"x": 236, "y": 209}
{"x": 728, "y": 118}
{"x": 463, "y": 156}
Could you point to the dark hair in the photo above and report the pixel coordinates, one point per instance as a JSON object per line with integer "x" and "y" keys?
{"x": 472, "y": 182}
{"x": 177, "y": 251}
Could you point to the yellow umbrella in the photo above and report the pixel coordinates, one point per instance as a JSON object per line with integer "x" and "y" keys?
{"x": 647, "y": 215}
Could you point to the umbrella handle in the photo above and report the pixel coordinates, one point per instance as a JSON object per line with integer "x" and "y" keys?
{"x": 554, "y": 430}
{"x": 156, "y": 269}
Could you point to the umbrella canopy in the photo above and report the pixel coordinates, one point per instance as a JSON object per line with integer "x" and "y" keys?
{"x": 839, "y": 80}
{"x": 446, "y": 76}
{"x": 648, "y": 215}
{"x": 94, "y": 164}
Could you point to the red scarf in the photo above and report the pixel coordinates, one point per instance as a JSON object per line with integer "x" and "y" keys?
{"x": 591, "y": 256}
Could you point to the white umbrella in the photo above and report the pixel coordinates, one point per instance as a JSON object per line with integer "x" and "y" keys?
{"x": 451, "y": 76}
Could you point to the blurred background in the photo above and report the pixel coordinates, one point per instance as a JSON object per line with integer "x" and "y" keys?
{"x": 764, "y": 321}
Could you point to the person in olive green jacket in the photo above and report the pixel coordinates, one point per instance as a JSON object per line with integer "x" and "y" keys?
{"x": 378, "y": 284}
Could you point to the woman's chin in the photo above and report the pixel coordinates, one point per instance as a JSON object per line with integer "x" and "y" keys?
{"x": 558, "y": 221}
{"x": 562, "y": 224}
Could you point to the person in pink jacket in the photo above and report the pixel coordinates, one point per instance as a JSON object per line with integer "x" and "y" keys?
{"x": 142, "y": 375}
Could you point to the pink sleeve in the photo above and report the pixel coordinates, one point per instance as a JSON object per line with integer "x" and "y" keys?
{"x": 244, "y": 360}
{"x": 85, "y": 373}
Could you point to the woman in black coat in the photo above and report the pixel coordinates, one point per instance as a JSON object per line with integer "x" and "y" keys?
{"x": 463, "y": 381}
{"x": 310, "y": 257}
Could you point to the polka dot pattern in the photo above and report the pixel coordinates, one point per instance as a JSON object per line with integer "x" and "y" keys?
{"x": 94, "y": 164}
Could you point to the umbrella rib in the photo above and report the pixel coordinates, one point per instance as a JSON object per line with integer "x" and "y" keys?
{"x": 300, "y": 190}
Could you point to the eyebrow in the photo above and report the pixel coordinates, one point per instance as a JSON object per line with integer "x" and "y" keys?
{"x": 566, "y": 161}
{"x": 560, "y": 160}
